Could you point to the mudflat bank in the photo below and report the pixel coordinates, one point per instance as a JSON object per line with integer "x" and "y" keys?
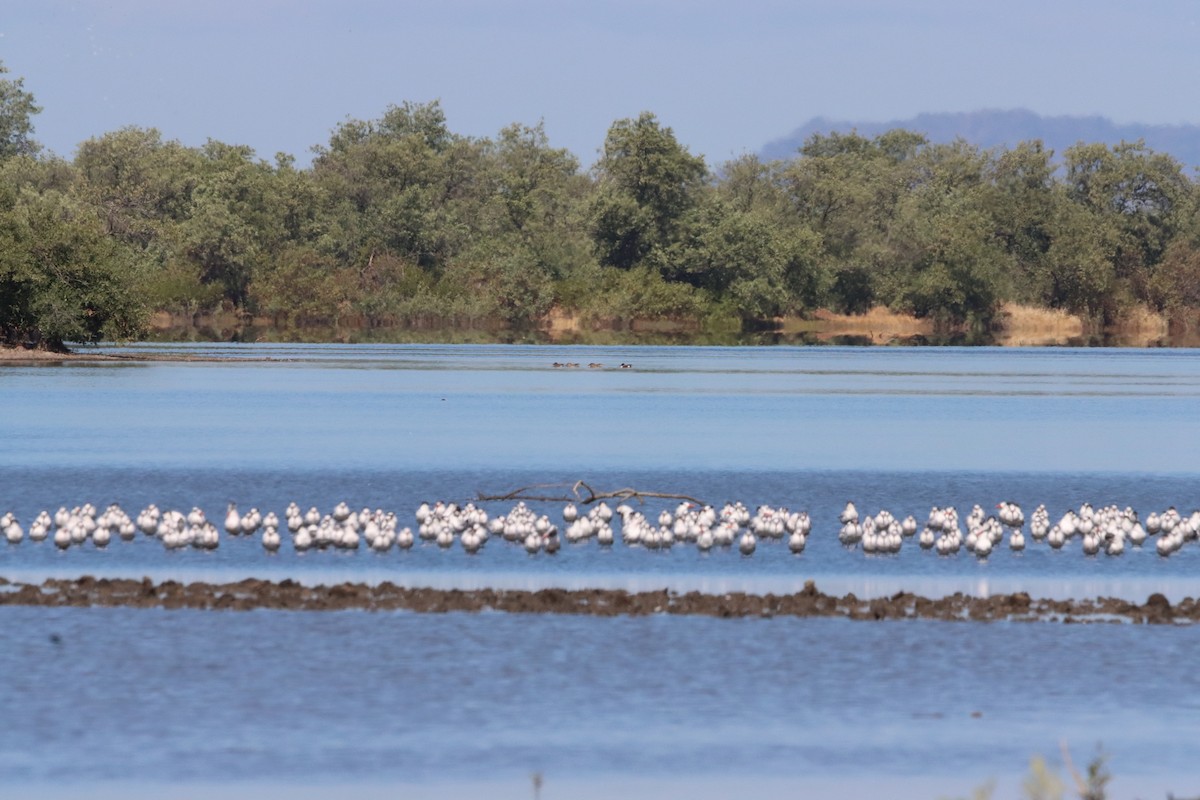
{"x": 34, "y": 355}
{"x": 25, "y": 355}
{"x": 289, "y": 595}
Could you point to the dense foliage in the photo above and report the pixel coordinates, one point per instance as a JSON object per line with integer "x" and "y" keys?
{"x": 399, "y": 220}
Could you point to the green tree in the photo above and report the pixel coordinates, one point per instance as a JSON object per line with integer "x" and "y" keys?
{"x": 537, "y": 187}
{"x": 756, "y": 189}
{"x": 746, "y": 260}
{"x": 17, "y": 109}
{"x": 1022, "y": 202}
{"x": 233, "y": 221}
{"x": 646, "y": 182}
{"x": 939, "y": 258}
{"x": 1142, "y": 198}
{"x": 301, "y": 285}
{"x": 139, "y": 183}
{"x": 527, "y": 234}
{"x": 62, "y": 278}
{"x": 531, "y": 203}
{"x": 1080, "y": 272}
{"x": 954, "y": 275}
{"x": 1175, "y": 287}
{"x": 396, "y": 185}
{"x": 846, "y": 190}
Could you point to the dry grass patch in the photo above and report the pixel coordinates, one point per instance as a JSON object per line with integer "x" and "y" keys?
{"x": 1142, "y": 325}
{"x": 560, "y": 321}
{"x": 1024, "y": 326}
{"x": 880, "y": 325}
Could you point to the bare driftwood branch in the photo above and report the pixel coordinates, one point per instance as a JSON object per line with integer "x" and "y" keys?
{"x": 580, "y": 492}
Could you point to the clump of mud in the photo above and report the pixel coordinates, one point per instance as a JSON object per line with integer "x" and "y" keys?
{"x": 288, "y": 595}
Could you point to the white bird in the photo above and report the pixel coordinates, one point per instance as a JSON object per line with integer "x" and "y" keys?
{"x": 471, "y": 541}
{"x": 303, "y": 539}
{"x": 1056, "y": 538}
{"x": 40, "y": 528}
{"x": 937, "y": 519}
{"x": 796, "y": 542}
{"x": 233, "y": 523}
{"x": 1039, "y": 523}
{"x": 1163, "y": 545}
{"x": 927, "y": 538}
{"x": 250, "y": 521}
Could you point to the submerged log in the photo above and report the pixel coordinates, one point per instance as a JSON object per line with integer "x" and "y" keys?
{"x": 580, "y": 492}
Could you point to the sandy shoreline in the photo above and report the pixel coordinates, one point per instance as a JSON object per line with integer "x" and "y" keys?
{"x": 289, "y": 595}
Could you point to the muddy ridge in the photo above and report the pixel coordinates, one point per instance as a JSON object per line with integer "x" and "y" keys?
{"x": 289, "y": 595}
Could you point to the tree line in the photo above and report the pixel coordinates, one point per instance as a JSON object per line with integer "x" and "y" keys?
{"x": 399, "y": 220}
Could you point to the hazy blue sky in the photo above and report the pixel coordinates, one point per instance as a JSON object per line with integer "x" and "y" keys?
{"x": 727, "y": 76}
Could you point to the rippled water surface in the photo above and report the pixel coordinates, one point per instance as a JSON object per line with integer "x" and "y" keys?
{"x": 300, "y": 696}
{"x": 342, "y": 695}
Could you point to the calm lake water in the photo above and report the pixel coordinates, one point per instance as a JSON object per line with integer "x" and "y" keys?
{"x": 277, "y": 697}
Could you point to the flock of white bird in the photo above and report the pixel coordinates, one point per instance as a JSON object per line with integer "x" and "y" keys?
{"x": 1108, "y": 529}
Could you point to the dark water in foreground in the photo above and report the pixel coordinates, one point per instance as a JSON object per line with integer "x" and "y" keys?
{"x": 163, "y": 696}
{"x": 295, "y": 696}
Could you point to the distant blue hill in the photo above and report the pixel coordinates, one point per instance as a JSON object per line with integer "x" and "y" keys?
{"x": 994, "y": 128}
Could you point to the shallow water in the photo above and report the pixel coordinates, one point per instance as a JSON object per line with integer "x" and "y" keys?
{"x": 298, "y": 696}
{"x": 1038, "y": 569}
{"x": 708, "y": 409}
{"x": 391, "y": 426}
{"x": 168, "y": 696}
